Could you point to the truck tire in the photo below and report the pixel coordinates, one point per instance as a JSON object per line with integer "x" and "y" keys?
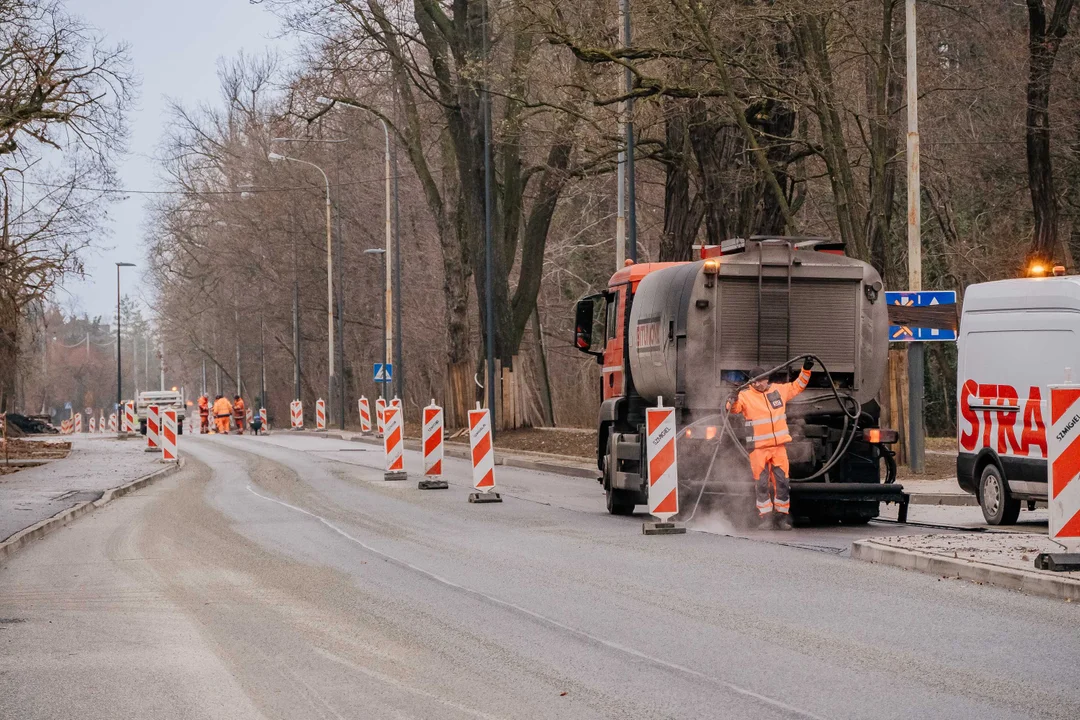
{"x": 620, "y": 502}
{"x": 998, "y": 506}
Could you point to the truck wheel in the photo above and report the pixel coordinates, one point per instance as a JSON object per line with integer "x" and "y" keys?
{"x": 998, "y": 507}
{"x": 620, "y": 502}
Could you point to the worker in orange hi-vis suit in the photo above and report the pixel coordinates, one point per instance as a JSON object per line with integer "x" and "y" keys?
{"x": 222, "y": 413}
{"x": 204, "y": 414}
{"x": 239, "y": 414}
{"x": 764, "y": 407}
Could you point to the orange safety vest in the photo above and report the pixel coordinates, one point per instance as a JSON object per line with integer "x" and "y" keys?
{"x": 766, "y": 412}
{"x": 238, "y": 408}
{"x": 222, "y": 408}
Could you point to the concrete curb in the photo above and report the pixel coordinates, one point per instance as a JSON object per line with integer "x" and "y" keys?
{"x": 1028, "y": 581}
{"x": 952, "y": 499}
{"x": 41, "y": 529}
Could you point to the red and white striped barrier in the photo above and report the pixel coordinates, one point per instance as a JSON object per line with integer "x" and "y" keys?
{"x": 1063, "y": 460}
{"x": 153, "y": 428}
{"x": 396, "y": 402}
{"x": 296, "y": 414}
{"x": 93, "y": 425}
{"x": 365, "y": 415}
{"x": 65, "y": 427}
{"x": 262, "y": 417}
{"x": 320, "y": 414}
{"x": 250, "y": 416}
{"x": 663, "y": 469}
{"x": 394, "y": 445}
{"x": 129, "y": 417}
{"x": 168, "y": 436}
{"x": 112, "y": 422}
{"x": 380, "y": 420}
{"x": 77, "y": 423}
{"x": 433, "y": 449}
{"x": 483, "y": 456}
{"x": 101, "y": 426}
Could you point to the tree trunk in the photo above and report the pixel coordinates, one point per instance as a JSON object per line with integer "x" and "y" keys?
{"x": 1043, "y": 42}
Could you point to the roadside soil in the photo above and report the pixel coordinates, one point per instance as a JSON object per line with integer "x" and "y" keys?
{"x": 18, "y": 449}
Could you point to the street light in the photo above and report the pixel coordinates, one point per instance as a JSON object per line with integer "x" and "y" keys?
{"x": 393, "y": 257}
{"x": 376, "y": 252}
{"x": 277, "y": 157}
{"x": 119, "y": 375}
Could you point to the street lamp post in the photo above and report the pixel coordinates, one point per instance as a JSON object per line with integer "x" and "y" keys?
{"x": 277, "y": 157}
{"x": 119, "y": 371}
{"x": 392, "y": 250}
{"x": 375, "y": 252}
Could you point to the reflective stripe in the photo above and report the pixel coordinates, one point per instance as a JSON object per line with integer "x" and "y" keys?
{"x": 769, "y": 436}
{"x": 612, "y": 368}
{"x": 781, "y": 417}
{"x": 765, "y": 508}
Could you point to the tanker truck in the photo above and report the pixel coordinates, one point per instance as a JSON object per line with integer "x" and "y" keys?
{"x": 688, "y": 333}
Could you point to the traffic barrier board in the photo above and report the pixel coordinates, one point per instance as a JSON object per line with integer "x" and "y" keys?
{"x": 380, "y": 420}
{"x": 168, "y": 436}
{"x": 112, "y": 422}
{"x": 320, "y": 414}
{"x": 663, "y": 462}
{"x": 78, "y": 422}
{"x": 296, "y": 414}
{"x": 1063, "y": 461}
{"x": 262, "y": 418}
{"x": 483, "y": 453}
{"x": 153, "y": 420}
{"x": 93, "y": 425}
{"x": 393, "y": 444}
{"x": 365, "y": 415}
{"x": 129, "y": 417}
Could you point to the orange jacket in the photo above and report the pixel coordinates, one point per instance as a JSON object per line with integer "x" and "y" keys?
{"x": 222, "y": 407}
{"x": 238, "y": 408}
{"x": 204, "y": 405}
{"x": 766, "y": 412}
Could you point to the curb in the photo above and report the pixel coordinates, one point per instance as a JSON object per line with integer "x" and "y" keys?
{"x": 952, "y": 499}
{"x": 1027, "y": 581}
{"x": 41, "y": 529}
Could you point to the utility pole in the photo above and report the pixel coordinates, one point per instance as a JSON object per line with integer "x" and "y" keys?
{"x": 489, "y": 247}
{"x": 620, "y": 217}
{"x": 631, "y": 190}
{"x": 916, "y": 381}
{"x": 236, "y": 320}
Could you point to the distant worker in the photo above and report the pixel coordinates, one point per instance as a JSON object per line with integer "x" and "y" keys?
{"x": 764, "y": 407}
{"x": 204, "y": 414}
{"x": 239, "y": 414}
{"x": 222, "y": 413}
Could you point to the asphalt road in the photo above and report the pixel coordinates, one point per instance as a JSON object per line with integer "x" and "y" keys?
{"x": 283, "y": 578}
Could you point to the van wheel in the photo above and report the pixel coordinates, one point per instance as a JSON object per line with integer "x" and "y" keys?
{"x": 998, "y": 507}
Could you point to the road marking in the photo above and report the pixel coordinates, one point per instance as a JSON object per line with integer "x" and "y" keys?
{"x": 737, "y": 689}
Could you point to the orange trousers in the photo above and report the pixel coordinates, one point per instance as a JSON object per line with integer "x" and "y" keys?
{"x": 222, "y": 425}
{"x": 772, "y": 488}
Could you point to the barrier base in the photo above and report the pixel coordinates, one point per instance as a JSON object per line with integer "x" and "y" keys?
{"x": 433, "y": 485}
{"x": 320, "y": 430}
{"x": 395, "y": 475}
{"x": 169, "y": 462}
{"x": 663, "y": 528}
{"x": 1058, "y": 562}
{"x": 299, "y": 429}
{"x": 150, "y": 449}
{"x": 490, "y": 497}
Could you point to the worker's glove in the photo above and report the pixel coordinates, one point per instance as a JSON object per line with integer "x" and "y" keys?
{"x": 807, "y": 363}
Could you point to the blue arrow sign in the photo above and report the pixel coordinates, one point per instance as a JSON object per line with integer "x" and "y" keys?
{"x": 903, "y": 333}
{"x": 384, "y": 376}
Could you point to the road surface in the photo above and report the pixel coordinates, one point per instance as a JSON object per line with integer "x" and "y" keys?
{"x": 283, "y": 578}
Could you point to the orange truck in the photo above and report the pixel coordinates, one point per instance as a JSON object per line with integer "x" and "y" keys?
{"x": 689, "y": 333}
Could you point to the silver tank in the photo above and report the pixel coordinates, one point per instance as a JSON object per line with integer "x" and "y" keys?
{"x": 693, "y": 334}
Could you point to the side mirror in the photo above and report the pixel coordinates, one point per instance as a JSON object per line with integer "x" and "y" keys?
{"x": 584, "y": 321}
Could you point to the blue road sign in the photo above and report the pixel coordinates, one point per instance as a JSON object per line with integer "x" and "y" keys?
{"x": 384, "y": 376}
{"x": 67, "y": 406}
{"x": 903, "y": 333}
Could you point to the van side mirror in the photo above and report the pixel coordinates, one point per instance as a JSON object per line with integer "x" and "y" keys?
{"x": 584, "y": 319}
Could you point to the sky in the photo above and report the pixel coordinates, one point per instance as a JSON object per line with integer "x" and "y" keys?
{"x": 175, "y": 47}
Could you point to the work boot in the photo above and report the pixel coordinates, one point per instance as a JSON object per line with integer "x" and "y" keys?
{"x": 783, "y": 522}
{"x": 766, "y": 522}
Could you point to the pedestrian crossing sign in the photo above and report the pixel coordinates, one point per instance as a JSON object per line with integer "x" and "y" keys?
{"x": 384, "y": 373}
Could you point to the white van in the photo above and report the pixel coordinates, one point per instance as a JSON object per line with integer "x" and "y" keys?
{"x": 1016, "y": 338}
